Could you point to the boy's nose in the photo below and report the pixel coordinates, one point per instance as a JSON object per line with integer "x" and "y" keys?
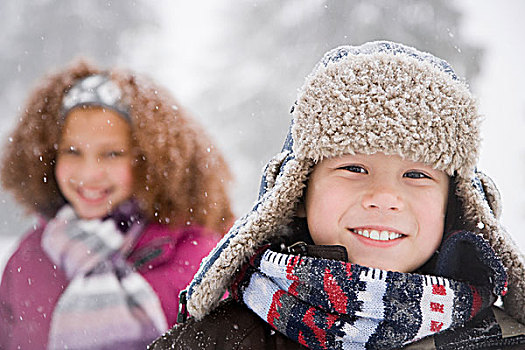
{"x": 383, "y": 198}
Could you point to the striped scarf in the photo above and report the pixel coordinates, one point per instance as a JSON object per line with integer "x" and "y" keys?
{"x": 106, "y": 304}
{"x": 328, "y": 304}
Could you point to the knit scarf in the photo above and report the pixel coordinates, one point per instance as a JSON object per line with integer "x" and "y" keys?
{"x": 328, "y": 304}
{"x": 106, "y": 304}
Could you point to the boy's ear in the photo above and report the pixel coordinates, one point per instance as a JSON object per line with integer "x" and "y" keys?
{"x": 300, "y": 211}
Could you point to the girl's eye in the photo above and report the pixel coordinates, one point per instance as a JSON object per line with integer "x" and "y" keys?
{"x": 115, "y": 154}
{"x": 354, "y": 169}
{"x": 416, "y": 175}
{"x": 69, "y": 150}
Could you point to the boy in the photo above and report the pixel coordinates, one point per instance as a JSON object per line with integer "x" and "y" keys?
{"x": 395, "y": 240}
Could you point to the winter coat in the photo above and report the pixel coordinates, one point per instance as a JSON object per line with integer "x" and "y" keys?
{"x": 232, "y": 325}
{"x": 31, "y": 285}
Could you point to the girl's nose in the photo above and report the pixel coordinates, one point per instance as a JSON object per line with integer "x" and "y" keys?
{"x": 383, "y": 197}
{"x": 93, "y": 170}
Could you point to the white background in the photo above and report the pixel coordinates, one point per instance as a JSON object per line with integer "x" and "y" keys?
{"x": 497, "y": 26}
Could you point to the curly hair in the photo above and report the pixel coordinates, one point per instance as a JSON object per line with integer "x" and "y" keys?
{"x": 180, "y": 178}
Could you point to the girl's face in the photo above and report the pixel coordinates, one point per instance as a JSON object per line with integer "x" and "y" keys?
{"x": 94, "y": 161}
{"x": 387, "y": 212}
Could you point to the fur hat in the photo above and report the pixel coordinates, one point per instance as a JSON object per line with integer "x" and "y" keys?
{"x": 180, "y": 177}
{"x": 378, "y": 97}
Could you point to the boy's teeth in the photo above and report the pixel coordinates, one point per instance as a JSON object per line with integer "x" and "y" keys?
{"x": 378, "y": 235}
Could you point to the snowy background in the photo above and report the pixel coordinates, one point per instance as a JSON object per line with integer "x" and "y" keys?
{"x": 237, "y": 65}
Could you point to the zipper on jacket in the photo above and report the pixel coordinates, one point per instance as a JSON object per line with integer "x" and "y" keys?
{"x": 182, "y": 316}
{"x": 505, "y": 342}
{"x": 489, "y": 344}
{"x": 297, "y": 248}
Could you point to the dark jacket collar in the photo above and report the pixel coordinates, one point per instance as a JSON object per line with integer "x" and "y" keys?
{"x": 332, "y": 252}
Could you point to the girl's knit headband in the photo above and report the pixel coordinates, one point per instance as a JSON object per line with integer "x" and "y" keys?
{"x": 95, "y": 90}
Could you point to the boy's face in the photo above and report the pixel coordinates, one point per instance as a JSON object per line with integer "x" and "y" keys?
{"x": 94, "y": 161}
{"x": 388, "y": 212}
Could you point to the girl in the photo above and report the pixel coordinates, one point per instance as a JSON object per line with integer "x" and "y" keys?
{"x": 131, "y": 195}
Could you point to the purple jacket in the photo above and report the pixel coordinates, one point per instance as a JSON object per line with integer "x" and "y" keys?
{"x": 31, "y": 284}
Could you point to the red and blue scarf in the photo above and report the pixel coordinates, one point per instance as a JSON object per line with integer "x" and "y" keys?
{"x": 329, "y": 304}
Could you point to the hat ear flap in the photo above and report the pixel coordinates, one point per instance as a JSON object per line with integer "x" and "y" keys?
{"x": 491, "y": 193}
{"x": 272, "y": 171}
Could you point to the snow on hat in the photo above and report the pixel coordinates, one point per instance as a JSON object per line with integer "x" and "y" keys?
{"x": 378, "y": 97}
{"x": 95, "y": 90}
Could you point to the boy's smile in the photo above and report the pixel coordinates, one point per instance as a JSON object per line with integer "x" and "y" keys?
{"x": 386, "y": 211}
{"x": 94, "y": 162}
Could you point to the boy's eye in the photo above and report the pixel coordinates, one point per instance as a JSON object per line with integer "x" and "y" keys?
{"x": 354, "y": 169}
{"x": 416, "y": 175}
